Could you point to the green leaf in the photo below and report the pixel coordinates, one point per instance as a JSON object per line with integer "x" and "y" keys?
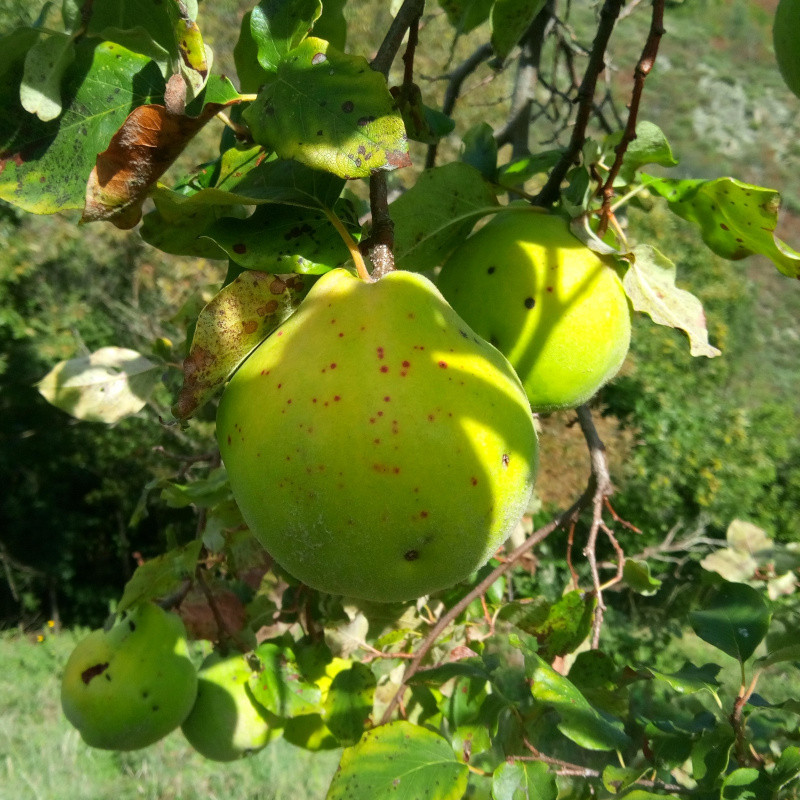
{"x": 280, "y": 687}
{"x": 438, "y": 213}
{"x": 690, "y": 679}
{"x": 399, "y": 760}
{"x": 464, "y": 15}
{"x": 109, "y": 384}
{"x": 617, "y": 779}
{"x": 517, "y": 172}
{"x": 45, "y": 165}
{"x": 711, "y": 754}
{"x": 734, "y": 620}
{"x": 782, "y": 655}
{"x": 202, "y": 493}
{"x": 580, "y": 721}
{"x": 278, "y": 26}
{"x": 480, "y": 150}
{"x": 45, "y": 65}
{"x": 472, "y": 667}
{"x": 637, "y": 575}
{"x": 650, "y": 284}
{"x": 523, "y": 780}
{"x": 348, "y": 704}
{"x": 331, "y": 25}
{"x": 510, "y": 19}
{"x": 422, "y": 123}
{"x": 309, "y": 732}
{"x": 735, "y": 219}
{"x": 649, "y": 147}
{"x": 160, "y": 576}
{"x": 469, "y": 742}
{"x": 240, "y": 316}
{"x": 786, "y": 43}
{"x": 252, "y": 75}
{"x": 740, "y": 785}
{"x": 787, "y": 768}
{"x": 329, "y": 111}
{"x": 281, "y": 239}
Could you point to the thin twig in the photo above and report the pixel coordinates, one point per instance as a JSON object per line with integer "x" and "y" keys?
{"x": 643, "y": 68}
{"x": 409, "y": 13}
{"x": 608, "y": 17}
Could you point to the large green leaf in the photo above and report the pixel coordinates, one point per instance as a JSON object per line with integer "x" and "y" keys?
{"x": 44, "y": 166}
{"x": 735, "y": 620}
{"x": 280, "y": 687}
{"x": 399, "y": 760}
{"x": 735, "y": 219}
{"x": 438, "y": 213}
{"x": 510, "y": 19}
{"x": 330, "y": 111}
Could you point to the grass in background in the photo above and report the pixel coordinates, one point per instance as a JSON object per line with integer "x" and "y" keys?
{"x": 43, "y": 758}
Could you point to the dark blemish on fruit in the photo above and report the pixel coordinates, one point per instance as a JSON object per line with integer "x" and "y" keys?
{"x": 380, "y": 413}
{"x": 379, "y": 351}
{"x": 239, "y": 247}
{"x": 155, "y": 708}
{"x": 348, "y": 106}
{"x": 229, "y": 440}
{"x": 384, "y": 368}
{"x": 387, "y": 399}
{"x": 724, "y": 226}
{"x": 529, "y": 302}
{"x": 376, "y": 441}
{"x": 491, "y": 270}
{"x": 549, "y": 288}
{"x": 132, "y": 625}
{"x": 372, "y": 420}
{"x": 318, "y": 58}
{"x": 464, "y": 334}
{"x": 313, "y": 399}
{"x": 341, "y": 334}
{"x": 333, "y": 366}
{"x": 406, "y": 364}
{"x": 443, "y": 364}
{"x": 396, "y": 470}
{"x": 431, "y": 417}
{"x": 411, "y": 555}
{"x": 145, "y": 695}
{"x": 423, "y": 514}
{"x": 279, "y": 385}
{"x": 336, "y": 398}
{"x": 289, "y": 401}
{"x": 506, "y": 459}
{"x": 474, "y": 481}
{"x": 93, "y": 672}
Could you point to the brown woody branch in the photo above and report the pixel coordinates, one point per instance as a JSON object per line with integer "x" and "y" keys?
{"x": 643, "y": 69}
{"x": 608, "y": 18}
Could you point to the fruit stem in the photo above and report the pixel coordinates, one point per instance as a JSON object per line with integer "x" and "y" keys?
{"x": 355, "y": 253}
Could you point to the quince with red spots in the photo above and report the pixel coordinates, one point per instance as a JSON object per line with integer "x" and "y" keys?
{"x": 376, "y": 445}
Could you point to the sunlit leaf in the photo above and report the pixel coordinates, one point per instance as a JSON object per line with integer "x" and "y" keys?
{"x": 280, "y": 687}
{"x": 464, "y": 15}
{"x": 649, "y": 147}
{"x": 45, "y": 65}
{"x": 109, "y": 384}
{"x": 277, "y": 27}
{"x": 229, "y": 328}
{"x": 399, "y": 760}
{"x": 735, "y": 620}
{"x": 160, "y": 576}
{"x": 735, "y": 219}
{"x": 348, "y": 703}
{"x": 690, "y": 679}
{"x": 650, "y": 284}
{"x": 329, "y": 111}
{"x": 637, "y": 575}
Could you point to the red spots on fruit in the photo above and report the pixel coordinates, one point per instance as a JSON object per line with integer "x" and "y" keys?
{"x": 265, "y": 372}
{"x": 419, "y": 347}
{"x": 341, "y": 334}
{"x": 333, "y": 322}
{"x": 93, "y": 672}
{"x": 387, "y": 399}
{"x": 380, "y": 413}
{"x": 506, "y": 459}
{"x": 550, "y": 289}
{"x": 724, "y": 226}
{"x": 313, "y": 399}
{"x": 423, "y": 514}
{"x": 379, "y": 351}
{"x": 289, "y": 401}
{"x": 279, "y": 333}
{"x": 406, "y": 364}
{"x": 333, "y": 366}
{"x": 395, "y": 427}
{"x": 431, "y": 417}
{"x": 376, "y": 441}
{"x": 336, "y": 398}
{"x": 411, "y": 315}
{"x": 384, "y": 369}
{"x": 443, "y": 365}
{"x": 279, "y": 385}
{"x": 372, "y": 420}
{"x": 396, "y": 470}
{"x": 473, "y": 480}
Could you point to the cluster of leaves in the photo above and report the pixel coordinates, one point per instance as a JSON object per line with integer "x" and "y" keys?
{"x": 510, "y": 704}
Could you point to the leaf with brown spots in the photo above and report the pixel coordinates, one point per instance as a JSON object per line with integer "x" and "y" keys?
{"x": 140, "y": 152}
{"x": 329, "y": 111}
{"x": 241, "y": 315}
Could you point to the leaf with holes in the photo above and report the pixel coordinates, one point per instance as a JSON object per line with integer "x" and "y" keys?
{"x": 329, "y": 111}
{"x": 399, "y": 760}
{"x": 109, "y": 384}
{"x": 650, "y": 284}
{"x": 241, "y": 315}
{"x": 736, "y": 219}
{"x": 735, "y": 620}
